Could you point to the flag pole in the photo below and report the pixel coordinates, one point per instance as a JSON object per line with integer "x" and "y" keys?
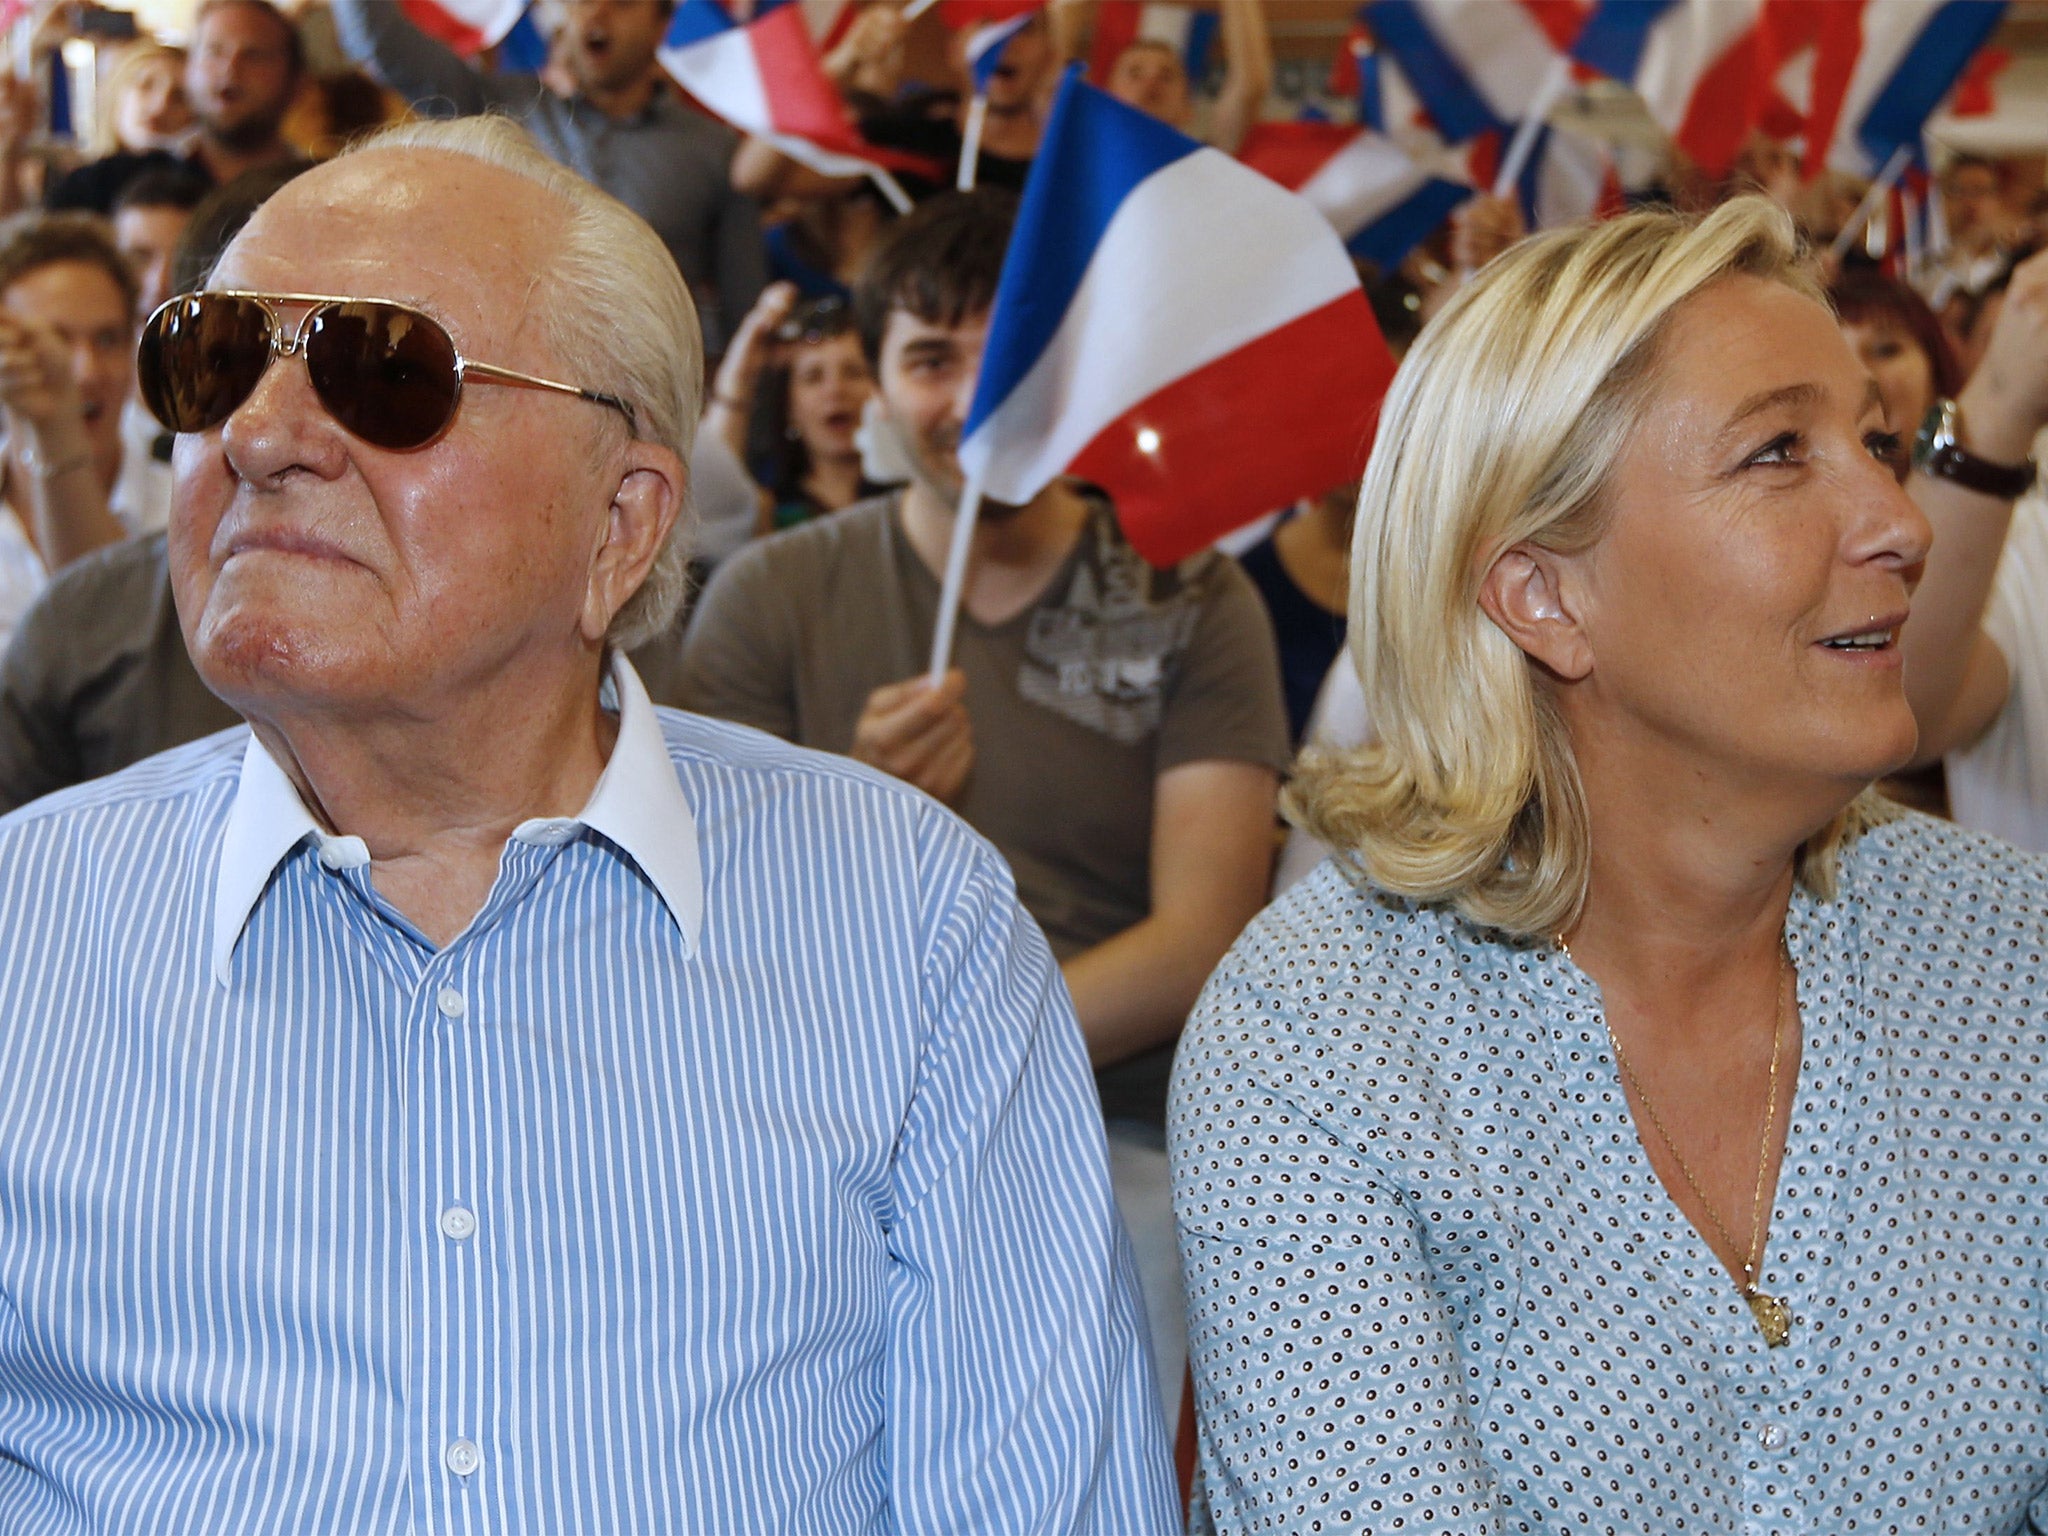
{"x": 955, "y": 584}
{"x": 1524, "y": 142}
{"x": 917, "y": 8}
{"x": 970, "y": 141}
{"x": 890, "y": 188}
{"x": 1880, "y": 189}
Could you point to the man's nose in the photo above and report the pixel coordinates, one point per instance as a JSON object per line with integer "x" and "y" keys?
{"x": 282, "y": 426}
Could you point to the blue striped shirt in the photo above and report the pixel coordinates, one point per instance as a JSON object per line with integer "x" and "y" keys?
{"x": 736, "y": 1170}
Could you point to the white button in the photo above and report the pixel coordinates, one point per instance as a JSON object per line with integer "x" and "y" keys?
{"x": 462, "y": 1457}
{"x": 334, "y": 856}
{"x": 1771, "y": 1437}
{"x": 451, "y": 1003}
{"x": 458, "y": 1222}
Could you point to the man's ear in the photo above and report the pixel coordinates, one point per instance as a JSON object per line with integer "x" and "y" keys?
{"x": 1533, "y": 598}
{"x": 644, "y": 507}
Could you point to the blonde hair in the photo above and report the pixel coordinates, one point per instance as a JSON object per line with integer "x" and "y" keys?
{"x": 134, "y": 59}
{"x": 619, "y": 319}
{"x": 1503, "y": 426}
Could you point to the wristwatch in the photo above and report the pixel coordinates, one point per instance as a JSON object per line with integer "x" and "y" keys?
{"x": 1936, "y": 452}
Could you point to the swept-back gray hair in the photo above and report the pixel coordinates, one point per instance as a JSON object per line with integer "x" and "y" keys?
{"x": 618, "y": 316}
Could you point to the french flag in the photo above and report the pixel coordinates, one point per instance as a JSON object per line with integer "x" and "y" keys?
{"x": 1476, "y": 66}
{"x": 1174, "y": 327}
{"x": 1187, "y": 31}
{"x": 470, "y": 26}
{"x": 1380, "y": 199}
{"x": 985, "y": 49}
{"x": 1884, "y": 68}
{"x": 1695, "y": 63}
{"x": 765, "y": 79}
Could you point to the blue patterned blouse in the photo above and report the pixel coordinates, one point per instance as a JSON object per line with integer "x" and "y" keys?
{"x": 1434, "y": 1284}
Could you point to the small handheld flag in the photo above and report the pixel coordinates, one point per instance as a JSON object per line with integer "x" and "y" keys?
{"x": 1174, "y": 327}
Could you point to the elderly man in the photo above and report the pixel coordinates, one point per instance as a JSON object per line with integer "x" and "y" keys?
{"x": 477, "y": 1100}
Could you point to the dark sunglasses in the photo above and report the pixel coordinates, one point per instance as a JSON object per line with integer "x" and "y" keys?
{"x": 384, "y": 371}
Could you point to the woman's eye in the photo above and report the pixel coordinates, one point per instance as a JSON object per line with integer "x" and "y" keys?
{"x": 1782, "y": 449}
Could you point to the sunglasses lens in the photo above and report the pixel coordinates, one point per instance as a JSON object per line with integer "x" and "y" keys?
{"x": 385, "y": 373}
{"x": 199, "y": 358}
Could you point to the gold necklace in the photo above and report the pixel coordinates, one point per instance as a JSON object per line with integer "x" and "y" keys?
{"x": 1773, "y": 1317}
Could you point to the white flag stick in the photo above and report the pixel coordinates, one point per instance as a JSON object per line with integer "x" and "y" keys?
{"x": 970, "y": 142}
{"x": 955, "y": 584}
{"x": 1915, "y": 254}
{"x": 891, "y": 188}
{"x": 1524, "y": 142}
{"x": 917, "y": 8}
{"x": 1880, "y": 189}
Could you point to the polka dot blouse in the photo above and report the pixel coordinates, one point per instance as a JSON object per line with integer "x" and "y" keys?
{"x": 1434, "y": 1285}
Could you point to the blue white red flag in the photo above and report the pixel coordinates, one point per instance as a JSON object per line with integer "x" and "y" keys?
{"x": 1695, "y": 63}
{"x": 1478, "y": 65}
{"x": 765, "y": 78}
{"x": 1884, "y": 68}
{"x": 1174, "y": 327}
{"x": 985, "y": 49}
{"x": 1381, "y": 200}
{"x": 1188, "y": 32}
{"x": 469, "y": 26}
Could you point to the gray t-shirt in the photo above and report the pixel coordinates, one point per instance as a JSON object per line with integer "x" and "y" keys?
{"x": 1116, "y": 674}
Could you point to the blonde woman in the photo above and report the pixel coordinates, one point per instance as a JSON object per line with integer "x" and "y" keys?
{"x": 1637, "y": 1128}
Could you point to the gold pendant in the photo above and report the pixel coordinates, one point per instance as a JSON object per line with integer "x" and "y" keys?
{"x": 1773, "y": 1317}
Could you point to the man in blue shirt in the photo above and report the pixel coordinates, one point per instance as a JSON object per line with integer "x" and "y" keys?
{"x": 478, "y": 1100}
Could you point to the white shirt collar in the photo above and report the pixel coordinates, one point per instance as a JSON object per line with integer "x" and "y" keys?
{"x": 638, "y": 805}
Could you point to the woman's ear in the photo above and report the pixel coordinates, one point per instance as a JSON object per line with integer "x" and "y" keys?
{"x": 1532, "y": 596}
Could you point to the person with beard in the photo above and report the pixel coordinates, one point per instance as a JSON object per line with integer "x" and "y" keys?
{"x": 241, "y": 75}
{"x": 1115, "y": 731}
{"x": 620, "y": 126}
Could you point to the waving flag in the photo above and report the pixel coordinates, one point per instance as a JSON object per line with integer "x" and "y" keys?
{"x": 1476, "y": 66}
{"x": 1174, "y": 327}
{"x": 1695, "y": 63}
{"x": 1379, "y": 198}
{"x": 469, "y": 26}
{"x": 1188, "y": 32}
{"x": 985, "y": 49}
{"x": 1884, "y": 68}
{"x": 765, "y": 79}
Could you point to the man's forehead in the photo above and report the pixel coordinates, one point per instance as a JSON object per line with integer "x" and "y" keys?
{"x": 906, "y": 328}
{"x": 461, "y": 239}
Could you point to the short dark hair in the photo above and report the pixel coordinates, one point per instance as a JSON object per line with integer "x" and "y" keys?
{"x": 31, "y": 241}
{"x": 940, "y": 264}
{"x": 294, "y": 45}
{"x": 1862, "y": 297}
{"x": 163, "y": 186}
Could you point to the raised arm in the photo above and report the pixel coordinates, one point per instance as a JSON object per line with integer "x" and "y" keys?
{"x": 1021, "y": 1391}
{"x": 49, "y": 447}
{"x": 431, "y": 76}
{"x": 1247, "y": 73}
{"x": 1956, "y": 678}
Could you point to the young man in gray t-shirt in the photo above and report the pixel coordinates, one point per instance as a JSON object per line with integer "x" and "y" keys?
{"x": 1117, "y": 732}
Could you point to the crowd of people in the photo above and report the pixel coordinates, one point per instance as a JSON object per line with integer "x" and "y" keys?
{"x": 524, "y": 1003}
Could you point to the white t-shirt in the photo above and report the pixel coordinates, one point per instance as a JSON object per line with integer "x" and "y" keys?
{"x": 22, "y": 575}
{"x": 142, "y": 495}
{"x": 2000, "y": 783}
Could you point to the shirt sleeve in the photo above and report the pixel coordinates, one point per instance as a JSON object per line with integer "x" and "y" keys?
{"x": 38, "y": 753}
{"x": 431, "y": 76}
{"x": 739, "y": 652}
{"x": 1328, "y": 1375}
{"x": 742, "y": 261}
{"x": 1226, "y": 700}
{"x": 1022, "y": 1397}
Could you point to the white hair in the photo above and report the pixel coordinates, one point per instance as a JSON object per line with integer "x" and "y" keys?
{"x": 618, "y": 317}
